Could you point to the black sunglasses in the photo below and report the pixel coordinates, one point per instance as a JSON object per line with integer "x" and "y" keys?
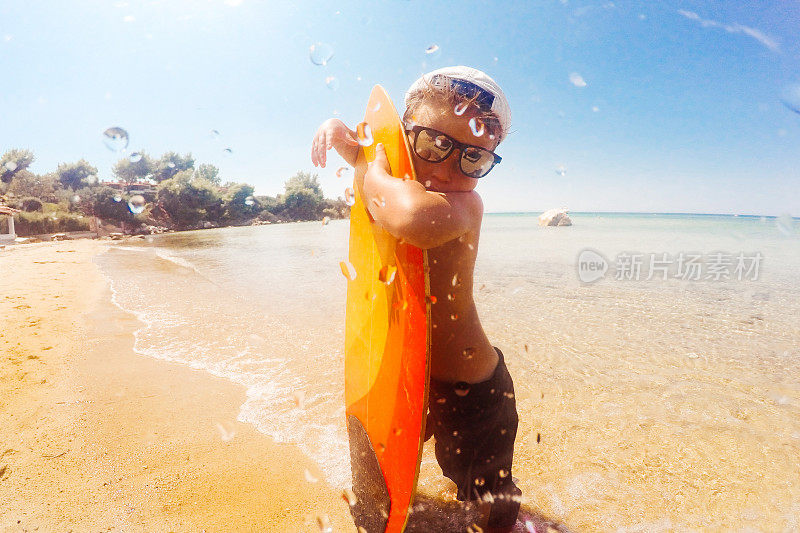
{"x": 435, "y": 146}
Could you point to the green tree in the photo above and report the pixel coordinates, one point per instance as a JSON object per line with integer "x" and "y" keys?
{"x": 186, "y": 198}
{"x": 76, "y": 175}
{"x": 131, "y": 171}
{"x": 26, "y": 183}
{"x": 170, "y": 164}
{"x": 13, "y": 162}
{"x": 303, "y": 198}
{"x": 106, "y": 203}
{"x": 239, "y": 203}
{"x": 209, "y": 173}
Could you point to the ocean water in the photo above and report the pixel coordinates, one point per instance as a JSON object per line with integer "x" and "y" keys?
{"x": 645, "y": 404}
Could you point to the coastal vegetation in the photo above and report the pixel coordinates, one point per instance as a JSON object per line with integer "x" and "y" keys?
{"x": 149, "y": 194}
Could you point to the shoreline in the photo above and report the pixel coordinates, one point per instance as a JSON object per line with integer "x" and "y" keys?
{"x": 156, "y": 445}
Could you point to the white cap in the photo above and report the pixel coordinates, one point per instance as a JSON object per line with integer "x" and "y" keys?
{"x": 495, "y": 99}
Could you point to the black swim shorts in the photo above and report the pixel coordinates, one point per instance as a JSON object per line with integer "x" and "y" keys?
{"x": 475, "y": 426}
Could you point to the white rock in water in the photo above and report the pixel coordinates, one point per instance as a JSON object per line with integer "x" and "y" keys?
{"x": 555, "y": 217}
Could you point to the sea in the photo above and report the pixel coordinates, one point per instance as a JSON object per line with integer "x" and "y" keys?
{"x": 656, "y": 357}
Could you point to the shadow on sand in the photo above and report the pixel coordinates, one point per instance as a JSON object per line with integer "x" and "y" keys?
{"x": 436, "y": 515}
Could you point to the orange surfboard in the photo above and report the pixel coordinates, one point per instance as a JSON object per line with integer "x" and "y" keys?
{"x": 387, "y": 342}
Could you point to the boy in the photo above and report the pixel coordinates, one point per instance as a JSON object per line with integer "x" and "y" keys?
{"x": 455, "y": 117}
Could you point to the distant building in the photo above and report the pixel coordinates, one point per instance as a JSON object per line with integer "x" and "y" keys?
{"x": 144, "y": 188}
{"x": 9, "y": 212}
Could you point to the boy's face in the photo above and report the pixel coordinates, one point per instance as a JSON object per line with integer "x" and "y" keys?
{"x": 446, "y": 176}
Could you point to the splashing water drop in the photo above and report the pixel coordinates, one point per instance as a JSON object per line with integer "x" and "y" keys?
{"x": 453, "y": 317}
{"x": 477, "y": 127}
{"x": 349, "y": 196}
{"x": 341, "y": 171}
{"x": 249, "y": 201}
{"x": 135, "y": 157}
{"x": 398, "y": 431}
{"x": 427, "y": 183}
{"x": 460, "y": 108}
{"x": 387, "y": 273}
{"x": 325, "y": 220}
{"x": 215, "y": 134}
{"x": 116, "y": 139}
{"x": 320, "y": 53}
{"x": 474, "y": 528}
{"x": 468, "y": 353}
{"x": 117, "y": 198}
{"x": 227, "y": 151}
{"x": 455, "y": 282}
{"x": 479, "y": 481}
{"x": 364, "y": 134}
{"x": 171, "y": 164}
{"x": 432, "y": 50}
{"x": 377, "y": 107}
{"x": 503, "y": 473}
{"x": 561, "y": 170}
{"x": 11, "y": 166}
{"x": 348, "y": 270}
{"x": 136, "y": 204}
{"x": 332, "y": 82}
{"x": 529, "y": 527}
{"x": 91, "y": 180}
{"x": 451, "y": 297}
{"x": 350, "y": 497}
{"x": 430, "y": 299}
{"x": 309, "y": 476}
{"x": 75, "y": 199}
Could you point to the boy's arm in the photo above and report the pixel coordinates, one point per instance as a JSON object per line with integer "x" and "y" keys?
{"x": 333, "y": 133}
{"x": 422, "y": 218}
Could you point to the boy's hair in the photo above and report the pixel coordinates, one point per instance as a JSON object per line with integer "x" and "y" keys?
{"x": 451, "y": 93}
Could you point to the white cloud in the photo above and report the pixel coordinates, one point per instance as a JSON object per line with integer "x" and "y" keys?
{"x": 128, "y": 18}
{"x": 577, "y": 80}
{"x": 758, "y": 35}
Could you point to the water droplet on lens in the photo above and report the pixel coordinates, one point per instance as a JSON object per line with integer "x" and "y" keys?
{"x": 577, "y": 80}
{"x": 348, "y": 270}
{"x": 785, "y": 224}
{"x": 377, "y": 107}
{"x": 320, "y": 53}
{"x": 171, "y": 164}
{"x": 561, "y": 171}
{"x": 116, "y": 139}
{"x": 454, "y": 317}
{"x": 341, "y": 171}
{"x": 460, "y": 108}
{"x": 790, "y": 97}
{"x": 332, "y": 83}
{"x": 135, "y": 157}
{"x": 325, "y": 220}
{"x": 364, "y": 134}
{"x": 387, "y": 273}
{"x": 117, "y": 198}
{"x": 75, "y": 199}
{"x": 479, "y": 481}
{"x": 455, "y": 282}
{"x": 324, "y": 523}
{"x": 309, "y": 476}
{"x": 503, "y": 473}
{"x": 451, "y": 297}
{"x": 477, "y": 127}
{"x": 349, "y": 196}
{"x": 350, "y": 497}
{"x": 249, "y": 201}
{"x": 136, "y": 204}
{"x": 432, "y": 50}
{"x": 461, "y": 389}
{"x": 11, "y": 166}
{"x": 91, "y": 180}
{"x": 427, "y": 183}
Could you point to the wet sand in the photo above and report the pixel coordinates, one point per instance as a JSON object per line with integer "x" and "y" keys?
{"x": 94, "y": 437}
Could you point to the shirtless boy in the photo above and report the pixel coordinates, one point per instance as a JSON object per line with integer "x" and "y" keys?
{"x": 455, "y": 117}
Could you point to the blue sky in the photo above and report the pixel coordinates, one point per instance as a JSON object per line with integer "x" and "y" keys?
{"x": 681, "y": 108}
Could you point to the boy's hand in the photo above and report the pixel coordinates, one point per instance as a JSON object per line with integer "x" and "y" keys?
{"x": 333, "y": 133}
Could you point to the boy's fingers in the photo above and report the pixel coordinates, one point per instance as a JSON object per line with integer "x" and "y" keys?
{"x": 380, "y": 157}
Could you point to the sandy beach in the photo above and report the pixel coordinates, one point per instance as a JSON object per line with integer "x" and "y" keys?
{"x": 97, "y": 438}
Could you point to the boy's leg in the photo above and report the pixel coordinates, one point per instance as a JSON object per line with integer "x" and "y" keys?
{"x": 475, "y": 436}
